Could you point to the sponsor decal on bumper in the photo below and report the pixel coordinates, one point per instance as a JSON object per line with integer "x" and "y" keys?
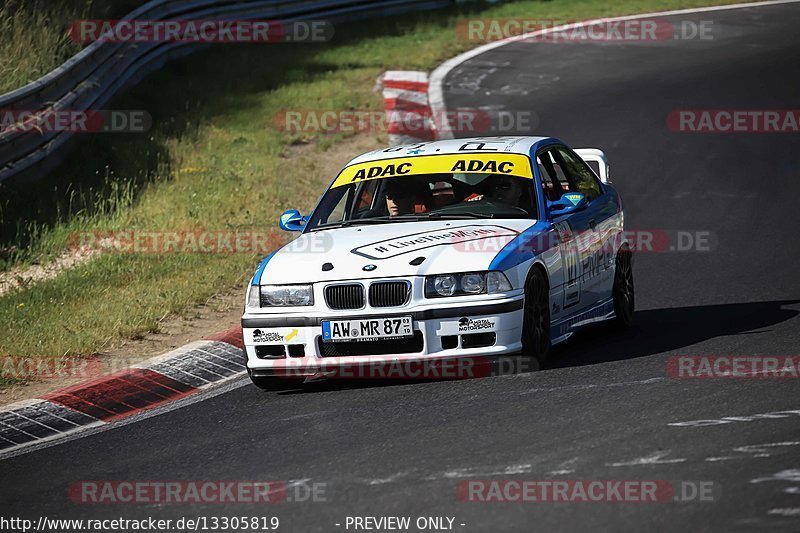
{"x": 469, "y": 325}
{"x": 277, "y": 336}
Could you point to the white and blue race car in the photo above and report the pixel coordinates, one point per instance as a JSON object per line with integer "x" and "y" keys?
{"x": 442, "y": 250}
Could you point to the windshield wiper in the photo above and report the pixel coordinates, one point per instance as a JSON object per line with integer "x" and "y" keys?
{"x": 355, "y": 222}
{"x": 456, "y": 216}
{"x": 422, "y": 217}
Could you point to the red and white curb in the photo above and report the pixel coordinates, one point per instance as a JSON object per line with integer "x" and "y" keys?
{"x": 155, "y": 382}
{"x": 198, "y": 365}
{"x": 405, "y": 102}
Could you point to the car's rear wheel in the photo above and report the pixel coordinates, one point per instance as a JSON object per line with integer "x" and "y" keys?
{"x": 536, "y": 322}
{"x": 623, "y": 291}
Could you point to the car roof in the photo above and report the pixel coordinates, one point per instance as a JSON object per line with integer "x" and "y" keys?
{"x": 509, "y": 145}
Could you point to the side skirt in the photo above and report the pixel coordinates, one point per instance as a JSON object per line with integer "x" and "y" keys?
{"x": 564, "y": 328}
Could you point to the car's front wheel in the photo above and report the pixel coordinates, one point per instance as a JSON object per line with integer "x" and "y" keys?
{"x": 623, "y": 293}
{"x": 536, "y": 322}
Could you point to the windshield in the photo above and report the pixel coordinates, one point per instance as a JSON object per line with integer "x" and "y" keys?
{"x": 404, "y": 198}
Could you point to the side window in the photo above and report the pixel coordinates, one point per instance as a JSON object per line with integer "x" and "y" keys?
{"x": 580, "y": 174}
{"x": 555, "y": 180}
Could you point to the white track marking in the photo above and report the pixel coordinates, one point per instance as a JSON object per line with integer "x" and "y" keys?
{"x": 559, "y": 472}
{"x": 775, "y": 415}
{"x": 584, "y": 386}
{"x": 784, "y": 475}
{"x": 564, "y": 468}
{"x": 436, "y": 84}
{"x": 474, "y": 472}
{"x": 785, "y": 511}
{"x": 656, "y": 458}
{"x": 752, "y": 451}
{"x": 763, "y": 450}
{"x": 391, "y": 479}
{"x": 468, "y": 472}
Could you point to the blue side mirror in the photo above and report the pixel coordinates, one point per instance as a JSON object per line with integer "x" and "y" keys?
{"x": 292, "y": 220}
{"x": 569, "y": 202}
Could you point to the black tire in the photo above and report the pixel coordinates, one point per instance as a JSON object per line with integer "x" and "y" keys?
{"x": 623, "y": 291}
{"x": 536, "y": 321}
{"x": 274, "y": 383}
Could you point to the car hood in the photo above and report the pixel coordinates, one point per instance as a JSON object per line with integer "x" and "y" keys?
{"x": 390, "y": 250}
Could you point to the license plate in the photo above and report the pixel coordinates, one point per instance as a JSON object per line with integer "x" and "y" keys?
{"x": 366, "y": 329}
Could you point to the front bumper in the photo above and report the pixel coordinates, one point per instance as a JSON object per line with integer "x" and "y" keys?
{"x": 291, "y": 346}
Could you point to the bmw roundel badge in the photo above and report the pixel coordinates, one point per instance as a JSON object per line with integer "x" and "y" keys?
{"x": 369, "y": 268}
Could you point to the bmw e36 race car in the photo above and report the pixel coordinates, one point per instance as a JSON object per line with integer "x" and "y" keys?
{"x": 440, "y": 250}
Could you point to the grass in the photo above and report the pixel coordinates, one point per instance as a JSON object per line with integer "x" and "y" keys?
{"x": 33, "y": 34}
{"x": 213, "y": 160}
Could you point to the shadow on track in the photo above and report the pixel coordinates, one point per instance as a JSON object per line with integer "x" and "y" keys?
{"x": 663, "y": 330}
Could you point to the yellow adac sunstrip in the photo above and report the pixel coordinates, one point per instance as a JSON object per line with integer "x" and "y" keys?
{"x": 511, "y": 164}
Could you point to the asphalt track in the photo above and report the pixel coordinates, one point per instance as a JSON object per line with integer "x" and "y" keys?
{"x": 604, "y": 408}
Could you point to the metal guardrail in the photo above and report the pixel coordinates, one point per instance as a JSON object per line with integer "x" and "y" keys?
{"x": 93, "y": 76}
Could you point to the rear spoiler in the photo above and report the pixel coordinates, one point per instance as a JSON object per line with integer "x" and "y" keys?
{"x": 598, "y": 157}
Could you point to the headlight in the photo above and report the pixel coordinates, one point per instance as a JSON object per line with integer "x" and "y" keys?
{"x": 473, "y": 283}
{"x": 444, "y": 285}
{"x": 286, "y": 295}
{"x": 497, "y": 282}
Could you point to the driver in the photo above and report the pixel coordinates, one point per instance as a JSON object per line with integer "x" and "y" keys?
{"x": 399, "y": 199}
